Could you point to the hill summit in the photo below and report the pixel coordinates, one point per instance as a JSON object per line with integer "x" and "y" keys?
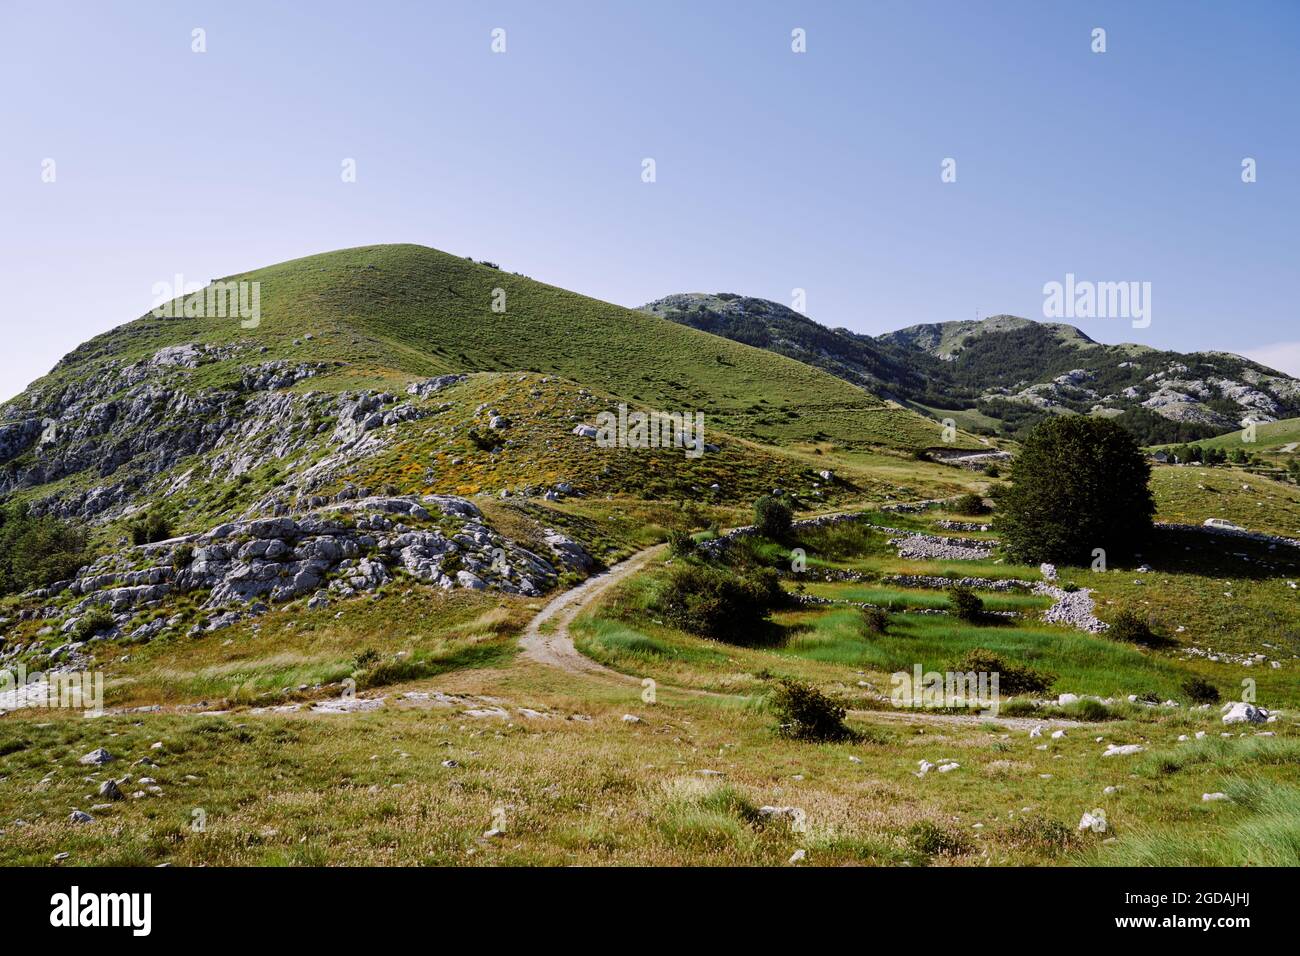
{"x": 1002, "y": 374}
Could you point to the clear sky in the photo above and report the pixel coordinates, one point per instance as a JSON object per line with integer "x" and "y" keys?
{"x": 774, "y": 170}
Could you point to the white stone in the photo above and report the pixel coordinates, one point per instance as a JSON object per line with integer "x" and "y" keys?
{"x": 1122, "y": 750}
{"x": 1240, "y": 712}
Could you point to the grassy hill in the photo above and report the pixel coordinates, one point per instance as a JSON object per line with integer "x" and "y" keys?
{"x": 1269, "y": 437}
{"x": 396, "y": 312}
{"x": 944, "y": 340}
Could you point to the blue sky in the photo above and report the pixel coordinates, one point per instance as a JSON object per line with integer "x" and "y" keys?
{"x": 775, "y": 170}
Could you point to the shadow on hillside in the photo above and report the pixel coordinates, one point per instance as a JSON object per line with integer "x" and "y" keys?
{"x": 1178, "y": 551}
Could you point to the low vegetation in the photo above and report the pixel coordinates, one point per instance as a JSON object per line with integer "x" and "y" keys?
{"x": 36, "y": 551}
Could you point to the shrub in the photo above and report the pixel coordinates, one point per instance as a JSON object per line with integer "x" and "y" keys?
{"x": 772, "y": 517}
{"x": 970, "y": 504}
{"x": 182, "y": 555}
{"x": 150, "y": 528}
{"x": 930, "y": 839}
{"x": 719, "y": 603}
{"x": 1079, "y": 483}
{"x": 808, "y": 714}
{"x": 1130, "y": 627}
{"x": 37, "y": 551}
{"x": 1085, "y": 708}
{"x": 365, "y": 659}
{"x": 875, "y": 620}
{"x": 992, "y": 471}
{"x": 681, "y": 544}
{"x": 1200, "y": 691}
{"x": 480, "y": 441}
{"x": 1039, "y": 833}
{"x": 1013, "y": 679}
{"x": 91, "y": 623}
{"x": 965, "y": 603}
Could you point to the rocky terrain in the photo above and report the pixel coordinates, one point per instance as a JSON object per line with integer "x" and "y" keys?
{"x": 337, "y": 551}
{"x": 1012, "y": 370}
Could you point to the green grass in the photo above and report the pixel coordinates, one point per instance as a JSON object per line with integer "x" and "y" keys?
{"x": 399, "y": 311}
{"x": 912, "y": 597}
{"x": 1189, "y": 494}
{"x": 1269, "y": 437}
{"x": 1259, "y": 827}
{"x": 1082, "y": 663}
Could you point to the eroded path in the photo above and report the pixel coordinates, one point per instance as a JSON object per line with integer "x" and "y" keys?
{"x": 547, "y": 641}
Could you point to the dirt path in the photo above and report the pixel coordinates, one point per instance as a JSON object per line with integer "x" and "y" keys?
{"x": 547, "y": 641}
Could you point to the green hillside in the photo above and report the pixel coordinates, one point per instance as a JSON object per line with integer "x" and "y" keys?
{"x": 1269, "y": 437}
{"x": 395, "y": 312}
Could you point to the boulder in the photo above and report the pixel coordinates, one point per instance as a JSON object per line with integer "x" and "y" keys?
{"x": 1240, "y": 712}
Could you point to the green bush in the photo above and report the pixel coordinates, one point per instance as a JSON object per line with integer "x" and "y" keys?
{"x": 37, "y": 551}
{"x": 772, "y": 517}
{"x": 150, "y": 528}
{"x": 1200, "y": 691}
{"x": 875, "y": 620}
{"x": 970, "y": 504}
{"x": 91, "y": 623}
{"x": 721, "y": 604}
{"x": 1085, "y": 708}
{"x": 808, "y": 714}
{"x": 1013, "y": 679}
{"x": 1131, "y": 628}
{"x": 930, "y": 839}
{"x": 182, "y": 555}
{"x": 965, "y": 603}
{"x": 1079, "y": 483}
{"x": 681, "y": 544}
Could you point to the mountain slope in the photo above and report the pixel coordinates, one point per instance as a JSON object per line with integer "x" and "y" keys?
{"x": 391, "y": 312}
{"x": 944, "y": 340}
{"x": 1004, "y": 373}
{"x": 314, "y": 391}
{"x": 777, "y": 328}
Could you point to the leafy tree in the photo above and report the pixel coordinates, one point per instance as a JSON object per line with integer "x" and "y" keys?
{"x": 35, "y": 551}
{"x": 970, "y": 504}
{"x": 1080, "y": 483}
{"x": 772, "y": 517}
{"x": 965, "y": 603}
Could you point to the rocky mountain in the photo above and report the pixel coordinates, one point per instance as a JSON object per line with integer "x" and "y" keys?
{"x": 1003, "y": 373}
{"x": 778, "y": 328}
{"x": 357, "y": 429}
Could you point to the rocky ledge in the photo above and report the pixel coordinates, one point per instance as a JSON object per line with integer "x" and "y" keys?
{"x": 335, "y": 551}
